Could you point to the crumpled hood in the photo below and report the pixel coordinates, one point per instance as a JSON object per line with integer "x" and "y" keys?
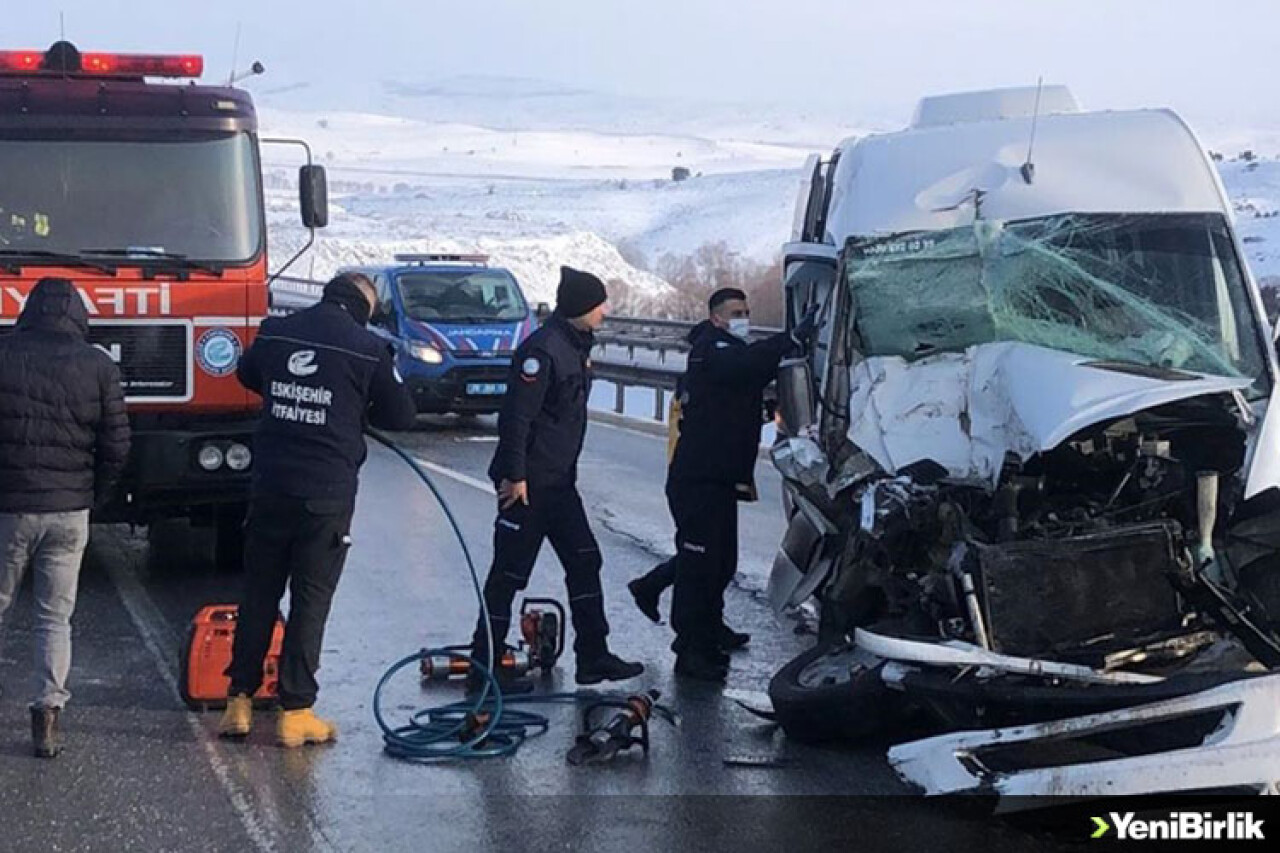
{"x": 966, "y": 410}
{"x": 55, "y": 306}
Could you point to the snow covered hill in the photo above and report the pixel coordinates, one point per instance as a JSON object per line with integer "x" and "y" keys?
{"x": 537, "y": 175}
{"x": 1254, "y": 188}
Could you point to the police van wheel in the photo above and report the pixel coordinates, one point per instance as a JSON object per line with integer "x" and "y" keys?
{"x": 228, "y": 542}
{"x": 825, "y": 695}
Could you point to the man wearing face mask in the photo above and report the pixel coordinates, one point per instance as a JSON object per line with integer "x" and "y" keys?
{"x": 722, "y": 411}
{"x": 323, "y": 376}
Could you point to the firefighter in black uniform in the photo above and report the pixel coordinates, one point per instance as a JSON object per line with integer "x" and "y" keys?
{"x": 322, "y": 376}
{"x": 540, "y": 432}
{"x": 722, "y": 411}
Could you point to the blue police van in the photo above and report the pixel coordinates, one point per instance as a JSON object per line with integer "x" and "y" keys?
{"x": 455, "y": 323}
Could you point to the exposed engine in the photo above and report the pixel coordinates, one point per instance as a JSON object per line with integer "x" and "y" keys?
{"x": 1085, "y": 552}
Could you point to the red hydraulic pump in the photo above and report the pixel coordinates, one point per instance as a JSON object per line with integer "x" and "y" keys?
{"x": 542, "y": 623}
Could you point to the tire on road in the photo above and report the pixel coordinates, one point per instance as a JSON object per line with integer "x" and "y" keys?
{"x": 814, "y": 709}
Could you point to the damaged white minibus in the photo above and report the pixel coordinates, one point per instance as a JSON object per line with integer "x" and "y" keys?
{"x": 1032, "y": 461}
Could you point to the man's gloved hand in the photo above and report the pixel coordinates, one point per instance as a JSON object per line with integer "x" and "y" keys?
{"x": 804, "y": 329}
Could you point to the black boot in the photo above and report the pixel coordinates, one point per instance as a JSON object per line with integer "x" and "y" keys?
{"x": 701, "y": 666}
{"x": 606, "y": 667}
{"x": 716, "y": 655}
{"x": 646, "y": 598}
{"x": 730, "y": 640}
{"x": 44, "y": 732}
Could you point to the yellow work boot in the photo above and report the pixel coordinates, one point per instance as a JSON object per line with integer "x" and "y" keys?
{"x": 237, "y": 719}
{"x": 296, "y": 728}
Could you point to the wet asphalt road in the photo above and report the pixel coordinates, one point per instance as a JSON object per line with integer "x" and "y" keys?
{"x": 142, "y": 773}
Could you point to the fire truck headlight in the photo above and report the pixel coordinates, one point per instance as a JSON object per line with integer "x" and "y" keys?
{"x": 239, "y": 457}
{"x": 210, "y": 457}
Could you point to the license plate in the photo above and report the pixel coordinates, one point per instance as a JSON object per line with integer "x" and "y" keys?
{"x": 486, "y": 389}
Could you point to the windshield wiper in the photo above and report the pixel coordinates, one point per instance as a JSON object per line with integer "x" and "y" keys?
{"x": 1135, "y": 368}
{"x": 12, "y": 259}
{"x": 181, "y": 260}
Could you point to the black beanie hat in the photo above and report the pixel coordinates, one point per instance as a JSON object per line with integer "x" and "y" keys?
{"x": 343, "y": 290}
{"x": 578, "y": 292}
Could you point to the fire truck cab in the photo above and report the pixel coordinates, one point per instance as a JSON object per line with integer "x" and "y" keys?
{"x": 148, "y": 196}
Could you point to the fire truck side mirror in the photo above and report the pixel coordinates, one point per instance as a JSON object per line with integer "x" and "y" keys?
{"x": 313, "y": 196}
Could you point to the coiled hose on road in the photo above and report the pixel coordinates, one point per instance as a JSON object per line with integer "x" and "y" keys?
{"x": 486, "y": 727}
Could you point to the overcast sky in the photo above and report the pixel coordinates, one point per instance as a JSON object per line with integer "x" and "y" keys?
{"x": 1216, "y": 61}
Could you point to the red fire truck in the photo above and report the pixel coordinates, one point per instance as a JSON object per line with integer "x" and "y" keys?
{"x": 148, "y": 195}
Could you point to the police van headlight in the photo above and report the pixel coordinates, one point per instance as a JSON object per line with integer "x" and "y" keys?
{"x": 210, "y": 457}
{"x": 239, "y": 457}
{"x": 426, "y": 353}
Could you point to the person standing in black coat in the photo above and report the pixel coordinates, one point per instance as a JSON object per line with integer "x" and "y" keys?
{"x": 541, "y": 429}
{"x": 713, "y": 467}
{"x": 322, "y": 376}
{"x": 64, "y": 439}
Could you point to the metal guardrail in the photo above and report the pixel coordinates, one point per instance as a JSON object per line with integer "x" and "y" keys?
{"x": 290, "y": 293}
{"x": 662, "y": 336}
{"x": 624, "y": 376}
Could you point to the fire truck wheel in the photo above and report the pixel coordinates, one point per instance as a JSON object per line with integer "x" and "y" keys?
{"x": 228, "y": 543}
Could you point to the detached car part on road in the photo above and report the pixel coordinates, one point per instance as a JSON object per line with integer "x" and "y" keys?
{"x": 1032, "y": 462}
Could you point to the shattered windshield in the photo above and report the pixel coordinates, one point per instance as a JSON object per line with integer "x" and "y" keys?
{"x": 1157, "y": 290}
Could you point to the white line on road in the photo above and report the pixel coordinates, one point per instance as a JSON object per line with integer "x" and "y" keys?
{"x": 627, "y": 429}
{"x": 163, "y": 646}
{"x": 466, "y": 480}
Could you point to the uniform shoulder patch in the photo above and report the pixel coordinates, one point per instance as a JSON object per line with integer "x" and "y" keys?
{"x": 530, "y": 368}
{"x": 722, "y": 345}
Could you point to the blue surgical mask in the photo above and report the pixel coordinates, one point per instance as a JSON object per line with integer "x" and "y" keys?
{"x": 740, "y": 327}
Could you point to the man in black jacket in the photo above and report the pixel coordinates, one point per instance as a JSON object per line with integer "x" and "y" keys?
{"x": 713, "y": 467}
{"x": 64, "y": 439}
{"x": 540, "y": 432}
{"x": 322, "y": 376}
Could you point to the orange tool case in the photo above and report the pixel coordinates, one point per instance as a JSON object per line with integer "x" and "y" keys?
{"x": 206, "y": 654}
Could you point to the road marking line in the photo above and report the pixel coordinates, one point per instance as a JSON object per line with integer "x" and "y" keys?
{"x": 163, "y": 646}
{"x": 627, "y": 429}
{"x": 466, "y": 480}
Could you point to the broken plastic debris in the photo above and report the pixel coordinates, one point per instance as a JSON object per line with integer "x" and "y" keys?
{"x": 1243, "y": 751}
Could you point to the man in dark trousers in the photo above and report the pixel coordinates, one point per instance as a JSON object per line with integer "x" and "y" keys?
{"x": 722, "y": 411}
{"x": 64, "y": 438}
{"x": 322, "y": 376}
{"x": 540, "y": 432}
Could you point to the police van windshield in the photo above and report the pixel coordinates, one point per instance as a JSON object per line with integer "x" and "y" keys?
{"x": 462, "y": 296}
{"x": 192, "y": 197}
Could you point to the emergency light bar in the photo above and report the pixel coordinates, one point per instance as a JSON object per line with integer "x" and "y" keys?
{"x": 71, "y": 63}
{"x": 142, "y": 64}
{"x": 28, "y": 61}
{"x": 430, "y": 258}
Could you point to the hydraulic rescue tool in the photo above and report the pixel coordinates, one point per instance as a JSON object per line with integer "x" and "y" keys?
{"x": 601, "y": 741}
{"x": 542, "y": 622}
{"x": 492, "y": 725}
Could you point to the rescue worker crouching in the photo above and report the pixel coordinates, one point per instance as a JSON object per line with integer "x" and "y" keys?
{"x": 541, "y": 429}
{"x": 322, "y": 375}
{"x": 711, "y": 470}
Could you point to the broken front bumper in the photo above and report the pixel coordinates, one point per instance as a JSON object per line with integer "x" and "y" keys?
{"x": 1240, "y": 750}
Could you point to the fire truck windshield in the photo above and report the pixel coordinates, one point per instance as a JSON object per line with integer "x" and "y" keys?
{"x": 195, "y": 198}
